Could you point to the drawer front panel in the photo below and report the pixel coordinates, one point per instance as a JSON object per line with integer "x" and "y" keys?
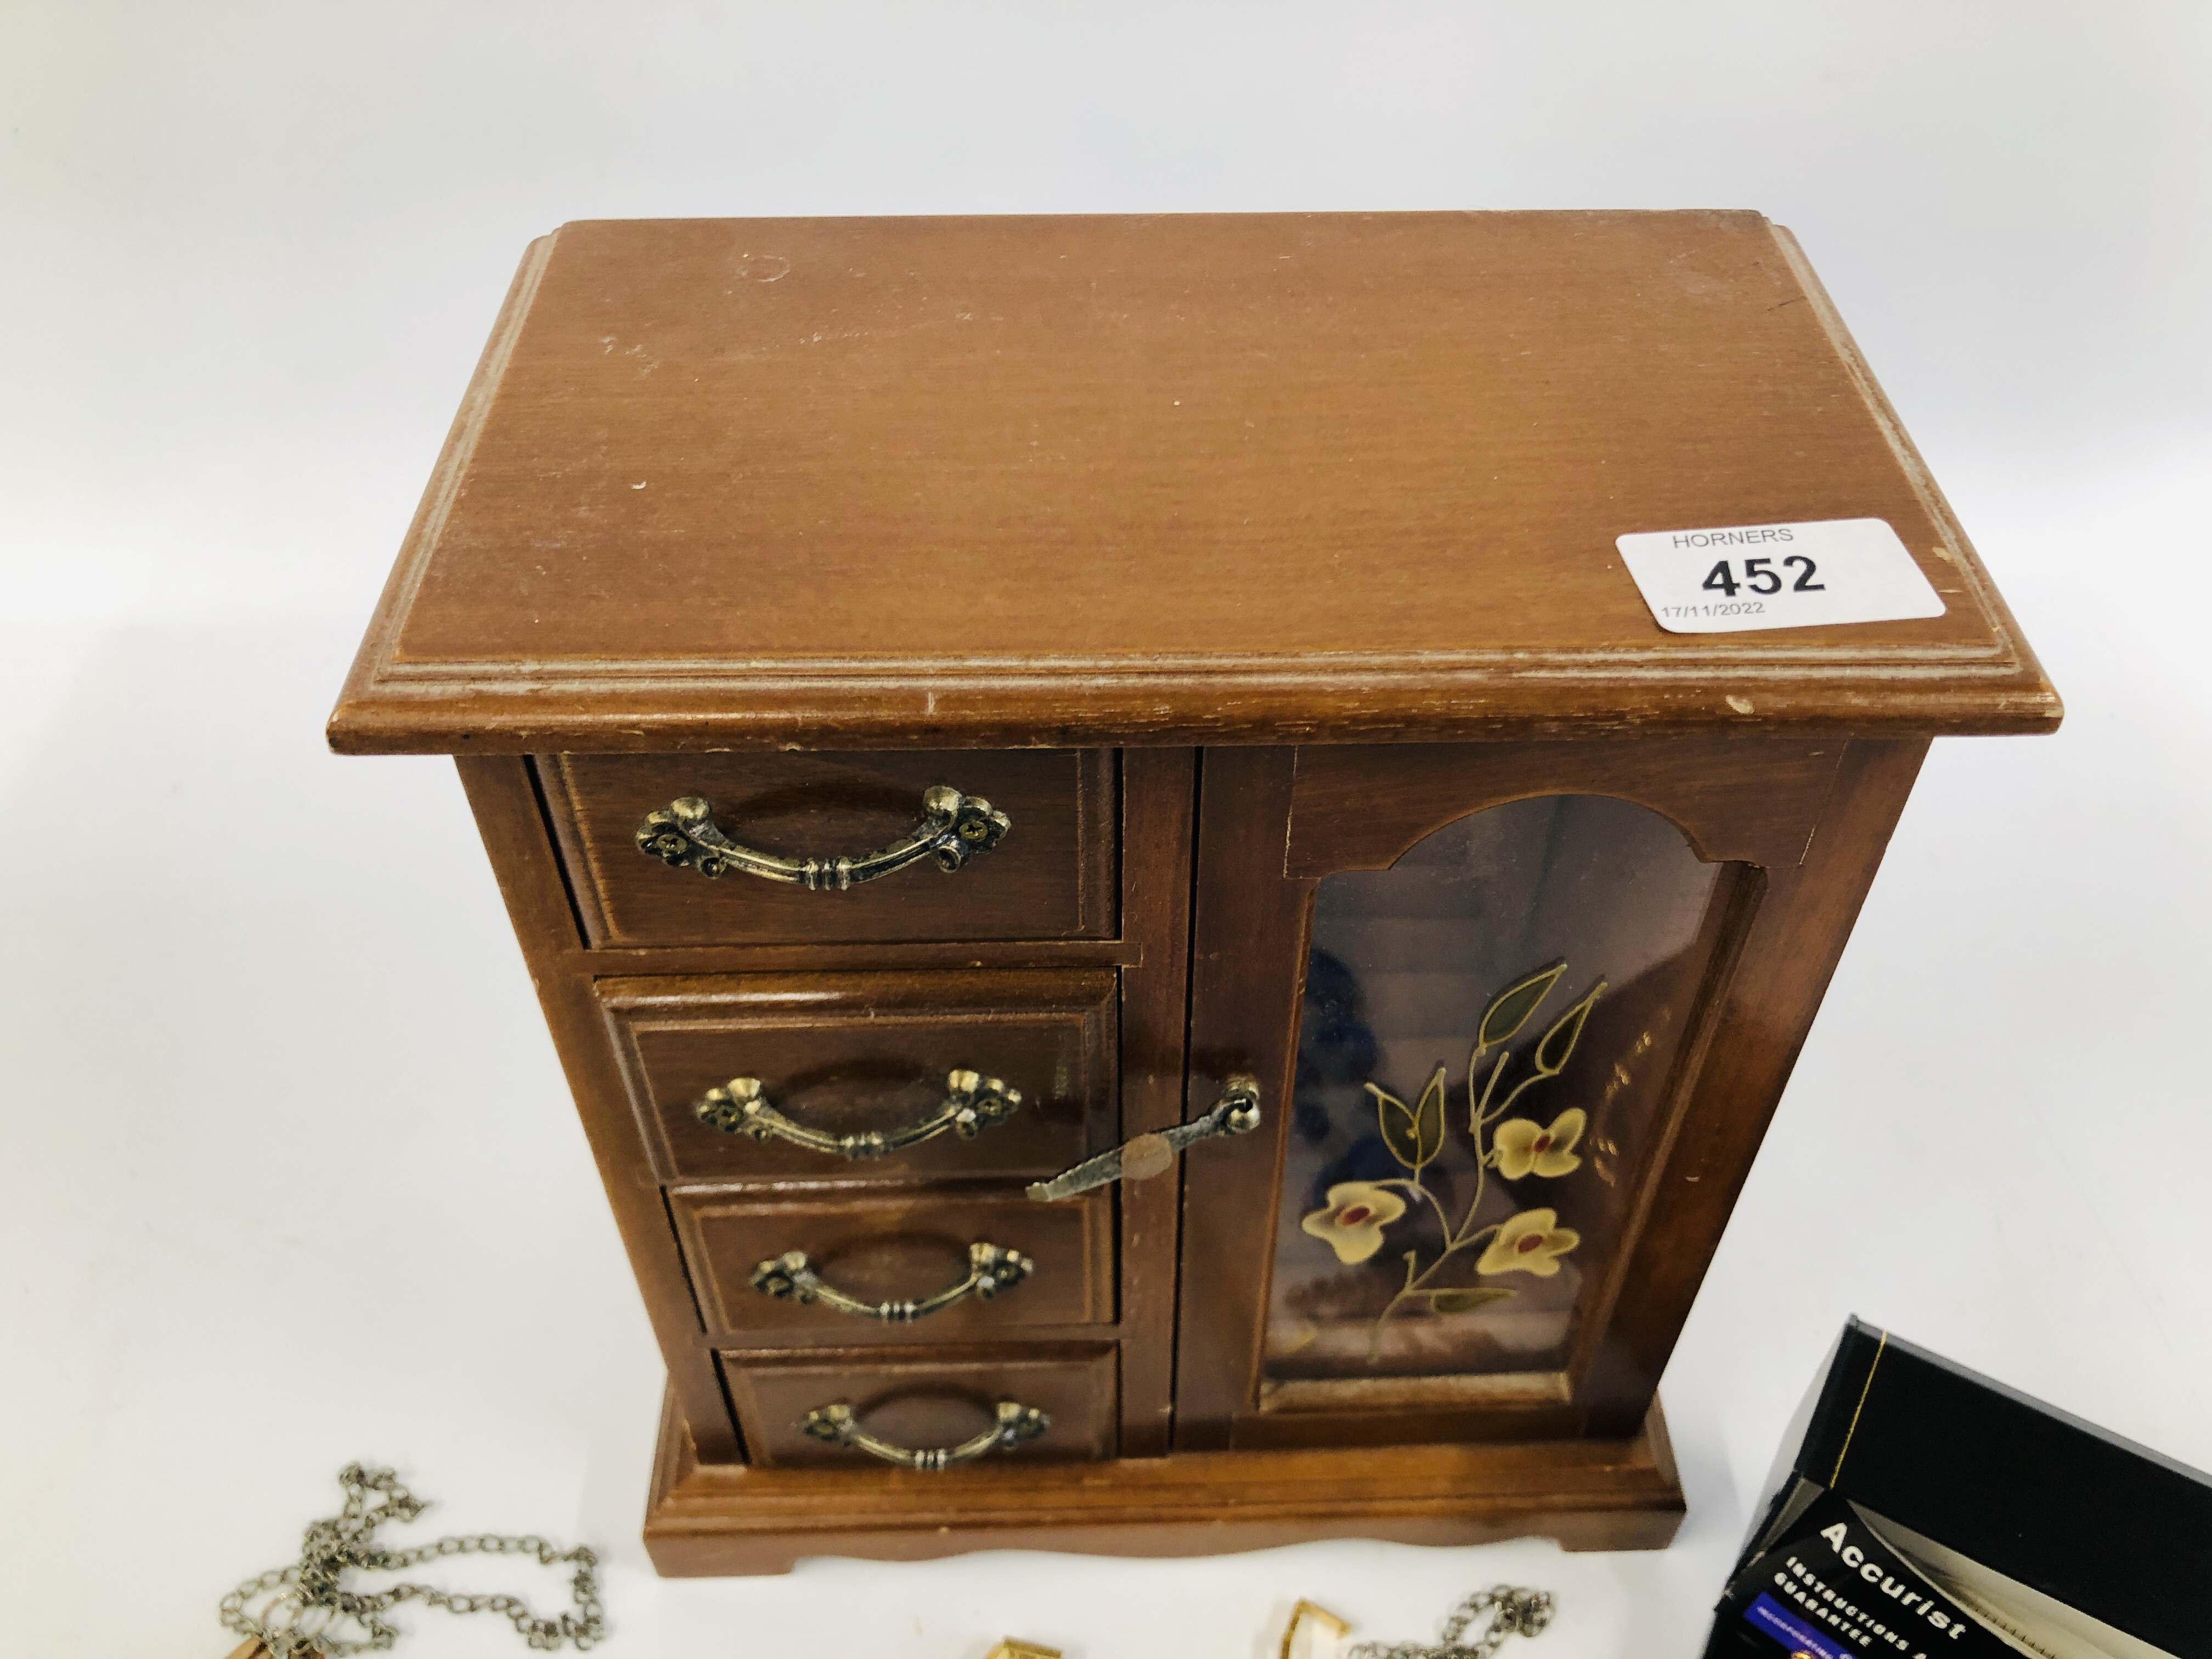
{"x": 925, "y": 1399}
{"x": 1050, "y": 876}
{"x": 896, "y": 1248}
{"x": 859, "y": 1054}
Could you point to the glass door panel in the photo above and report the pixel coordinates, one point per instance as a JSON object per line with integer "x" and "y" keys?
{"x": 1487, "y": 1036}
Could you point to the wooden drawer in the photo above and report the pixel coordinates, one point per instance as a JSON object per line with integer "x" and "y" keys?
{"x": 851, "y": 1054}
{"x": 1051, "y": 877}
{"x": 896, "y": 1248}
{"x": 924, "y": 1399}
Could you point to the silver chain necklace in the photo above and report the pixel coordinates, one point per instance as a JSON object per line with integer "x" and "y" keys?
{"x": 298, "y": 1609}
{"x": 304, "y": 1608}
{"x": 1513, "y": 1612}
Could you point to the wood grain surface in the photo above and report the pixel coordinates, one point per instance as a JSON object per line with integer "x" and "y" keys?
{"x": 1802, "y": 825}
{"x": 851, "y": 1054}
{"x": 897, "y": 1246}
{"x": 1101, "y": 1022}
{"x": 1589, "y": 1495}
{"x": 1225, "y": 554}
{"x": 925, "y": 1397}
{"x": 1362, "y": 808}
{"x": 1052, "y": 877}
{"x": 1022, "y": 480}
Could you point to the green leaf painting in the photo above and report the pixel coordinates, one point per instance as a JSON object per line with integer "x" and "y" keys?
{"x": 1452, "y": 1301}
{"x": 1414, "y": 1134}
{"x": 1557, "y": 1044}
{"x": 1510, "y": 1009}
{"x": 1529, "y": 1241}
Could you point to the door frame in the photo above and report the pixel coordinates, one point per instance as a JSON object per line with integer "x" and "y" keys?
{"x": 1805, "y": 821}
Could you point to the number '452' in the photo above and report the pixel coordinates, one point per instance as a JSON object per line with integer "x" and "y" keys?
{"x": 1760, "y": 576}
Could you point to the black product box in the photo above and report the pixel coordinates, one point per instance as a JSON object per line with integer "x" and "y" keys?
{"x": 1920, "y": 1511}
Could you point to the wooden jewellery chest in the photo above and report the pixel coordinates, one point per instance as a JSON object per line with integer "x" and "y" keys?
{"x": 964, "y": 709}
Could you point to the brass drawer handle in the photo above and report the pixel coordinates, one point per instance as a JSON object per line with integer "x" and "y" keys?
{"x": 839, "y": 1425}
{"x": 954, "y": 829}
{"x": 972, "y": 1103}
{"x": 1237, "y": 1112}
{"x": 990, "y": 1270}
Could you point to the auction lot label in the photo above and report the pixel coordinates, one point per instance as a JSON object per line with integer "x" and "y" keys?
{"x": 1739, "y": 578}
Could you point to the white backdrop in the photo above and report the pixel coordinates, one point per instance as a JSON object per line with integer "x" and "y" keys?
{"x": 289, "y": 1175}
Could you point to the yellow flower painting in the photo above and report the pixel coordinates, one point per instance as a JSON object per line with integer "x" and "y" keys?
{"x": 1352, "y": 1223}
{"x": 1352, "y": 1219}
{"x": 1530, "y": 1242}
{"x": 1524, "y": 1149}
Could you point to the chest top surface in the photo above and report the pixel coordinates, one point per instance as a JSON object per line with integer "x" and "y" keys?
{"x": 1047, "y": 480}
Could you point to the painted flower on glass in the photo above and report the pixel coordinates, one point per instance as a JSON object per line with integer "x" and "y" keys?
{"x": 1530, "y": 1242}
{"x": 1352, "y": 1223}
{"x": 1524, "y": 1148}
{"x": 1418, "y": 1135}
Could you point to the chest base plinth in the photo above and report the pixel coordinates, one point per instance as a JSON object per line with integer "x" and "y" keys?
{"x": 705, "y": 1519}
